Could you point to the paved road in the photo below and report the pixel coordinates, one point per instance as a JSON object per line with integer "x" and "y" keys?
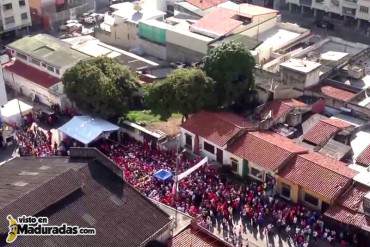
{"x": 342, "y": 30}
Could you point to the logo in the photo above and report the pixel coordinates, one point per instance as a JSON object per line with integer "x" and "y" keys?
{"x": 33, "y": 226}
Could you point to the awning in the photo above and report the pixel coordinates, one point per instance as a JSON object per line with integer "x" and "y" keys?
{"x": 163, "y": 175}
{"x": 86, "y": 129}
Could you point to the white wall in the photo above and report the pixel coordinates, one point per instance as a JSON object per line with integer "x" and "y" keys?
{"x": 3, "y": 96}
{"x": 363, "y": 15}
{"x": 30, "y": 89}
{"x": 152, "y": 49}
{"x": 134, "y": 134}
{"x": 312, "y": 78}
{"x": 16, "y": 12}
{"x": 188, "y": 40}
{"x": 227, "y": 161}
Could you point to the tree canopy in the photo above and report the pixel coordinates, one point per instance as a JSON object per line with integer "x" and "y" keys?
{"x": 101, "y": 87}
{"x": 185, "y": 91}
{"x": 231, "y": 66}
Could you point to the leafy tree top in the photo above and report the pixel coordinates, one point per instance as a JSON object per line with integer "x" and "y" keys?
{"x": 231, "y": 66}
{"x": 102, "y": 87}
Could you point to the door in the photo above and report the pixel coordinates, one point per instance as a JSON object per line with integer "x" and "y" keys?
{"x": 220, "y": 157}
{"x": 245, "y": 169}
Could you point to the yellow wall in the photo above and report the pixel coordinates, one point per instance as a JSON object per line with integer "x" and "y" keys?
{"x": 297, "y": 193}
{"x": 294, "y": 189}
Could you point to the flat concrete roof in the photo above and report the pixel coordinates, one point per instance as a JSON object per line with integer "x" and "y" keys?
{"x": 300, "y": 65}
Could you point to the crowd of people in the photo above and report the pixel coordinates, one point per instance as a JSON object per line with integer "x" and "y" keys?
{"x": 220, "y": 204}
{"x": 33, "y": 141}
{"x": 139, "y": 163}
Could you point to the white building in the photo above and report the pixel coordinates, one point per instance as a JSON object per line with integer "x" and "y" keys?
{"x": 39, "y": 64}
{"x": 357, "y": 9}
{"x": 120, "y": 28}
{"x": 14, "y": 15}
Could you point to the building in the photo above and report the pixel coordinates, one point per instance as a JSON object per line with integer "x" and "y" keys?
{"x": 314, "y": 179}
{"x": 15, "y": 16}
{"x": 248, "y": 154}
{"x": 351, "y": 210}
{"x": 342, "y": 9}
{"x": 195, "y": 9}
{"x": 120, "y": 28}
{"x": 40, "y": 62}
{"x": 51, "y": 14}
{"x": 210, "y": 133}
{"x": 82, "y": 194}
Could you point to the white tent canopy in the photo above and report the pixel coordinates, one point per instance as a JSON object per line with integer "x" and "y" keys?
{"x": 12, "y": 112}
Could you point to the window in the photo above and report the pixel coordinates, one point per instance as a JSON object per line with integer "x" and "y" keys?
{"x": 319, "y": 1}
{"x": 256, "y": 173}
{"x": 7, "y": 6}
{"x": 24, "y": 16}
{"x": 35, "y": 61}
{"x": 234, "y": 164}
{"x": 57, "y": 71}
{"x": 21, "y": 56}
{"x": 188, "y": 141}
{"x": 335, "y": 2}
{"x": 9, "y": 20}
{"x": 209, "y": 148}
{"x": 43, "y": 65}
{"x": 311, "y": 199}
{"x": 285, "y": 190}
{"x": 50, "y": 68}
{"x": 364, "y": 9}
{"x": 22, "y": 3}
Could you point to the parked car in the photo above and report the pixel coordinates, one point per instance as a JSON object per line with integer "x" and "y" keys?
{"x": 324, "y": 24}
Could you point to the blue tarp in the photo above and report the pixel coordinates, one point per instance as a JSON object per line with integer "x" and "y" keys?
{"x": 163, "y": 174}
{"x": 86, "y": 129}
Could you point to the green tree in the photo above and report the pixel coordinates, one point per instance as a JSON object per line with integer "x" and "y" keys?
{"x": 185, "y": 91}
{"x": 101, "y": 87}
{"x": 231, "y": 66}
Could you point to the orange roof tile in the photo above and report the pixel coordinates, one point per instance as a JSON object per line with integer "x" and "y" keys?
{"x": 277, "y": 108}
{"x": 319, "y": 174}
{"x": 267, "y": 149}
{"x": 217, "y": 23}
{"x": 195, "y": 238}
{"x": 205, "y": 4}
{"x": 334, "y": 92}
{"x": 364, "y": 157}
{"x": 324, "y": 130}
{"x": 217, "y": 127}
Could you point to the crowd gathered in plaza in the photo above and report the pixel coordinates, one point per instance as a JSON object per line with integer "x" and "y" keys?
{"x": 219, "y": 203}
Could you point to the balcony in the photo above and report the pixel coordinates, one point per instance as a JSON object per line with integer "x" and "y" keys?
{"x": 349, "y": 11}
{"x": 307, "y": 3}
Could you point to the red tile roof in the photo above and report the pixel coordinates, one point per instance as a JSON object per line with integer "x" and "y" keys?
{"x": 266, "y": 149}
{"x": 337, "y": 123}
{"x": 353, "y": 197}
{"x": 364, "y": 157}
{"x": 343, "y": 215}
{"x": 32, "y": 74}
{"x": 195, "y": 238}
{"x": 223, "y": 18}
{"x": 334, "y": 92}
{"x": 294, "y": 103}
{"x": 217, "y": 127}
{"x": 319, "y": 174}
{"x": 205, "y": 4}
{"x": 349, "y": 208}
{"x": 277, "y": 108}
{"x": 324, "y": 130}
